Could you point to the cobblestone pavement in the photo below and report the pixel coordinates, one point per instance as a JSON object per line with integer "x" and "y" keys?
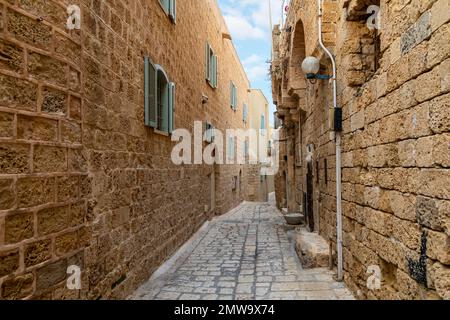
{"x": 244, "y": 255}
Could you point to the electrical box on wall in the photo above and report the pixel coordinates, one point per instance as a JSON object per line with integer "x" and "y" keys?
{"x": 336, "y": 119}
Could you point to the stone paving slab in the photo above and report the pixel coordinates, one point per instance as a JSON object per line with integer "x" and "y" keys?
{"x": 246, "y": 254}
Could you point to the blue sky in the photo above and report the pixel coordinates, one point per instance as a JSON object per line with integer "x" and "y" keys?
{"x": 249, "y": 25}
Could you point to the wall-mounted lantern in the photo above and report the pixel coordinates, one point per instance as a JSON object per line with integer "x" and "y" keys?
{"x": 311, "y": 67}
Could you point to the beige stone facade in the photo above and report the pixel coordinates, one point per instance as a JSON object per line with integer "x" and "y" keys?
{"x": 83, "y": 181}
{"x": 259, "y": 185}
{"x": 393, "y": 87}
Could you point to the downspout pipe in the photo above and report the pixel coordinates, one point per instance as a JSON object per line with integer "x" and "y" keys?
{"x": 338, "y": 152}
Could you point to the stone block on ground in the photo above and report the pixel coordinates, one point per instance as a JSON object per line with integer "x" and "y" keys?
{"x": 312, "y": 249}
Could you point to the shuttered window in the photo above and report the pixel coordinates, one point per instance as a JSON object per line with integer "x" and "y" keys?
{"x": 162, "y": 101}
{"x": 150, "y": 92}
{"x": 263, "y": 125}
{"x": 173, "y": 10}
{"x": 171, "y": 107}
{"x": 211, "y": 66}
{"x": 209, "y": 132}
{"x": 245, "y": 113}
{"x": 165, "y": 4}
{"x": 159, "y": 98}
{"x": 233, "y": 96}
{"x": 170, "y": 7}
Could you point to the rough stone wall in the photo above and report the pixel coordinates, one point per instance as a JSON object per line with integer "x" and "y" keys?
{"x": 396, "y": 142}
{"x": 82, "y": 180}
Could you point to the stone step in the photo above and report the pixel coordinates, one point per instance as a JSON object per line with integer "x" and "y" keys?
{"x": 312, "y": 249}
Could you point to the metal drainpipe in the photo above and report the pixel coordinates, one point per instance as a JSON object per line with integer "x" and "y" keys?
{"x": 338, "y": 154}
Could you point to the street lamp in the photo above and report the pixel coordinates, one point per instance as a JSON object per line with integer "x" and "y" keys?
{"x": 311, "y": 67}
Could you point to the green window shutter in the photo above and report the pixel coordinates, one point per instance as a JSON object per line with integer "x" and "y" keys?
{"x": 165, "y": 4}
{"x": 207, "y": 62}
{"x": 150, "y": 79}
{"x": 245, "y": 113}
{"x": 217, "y": 71}
{"x": 214, "y": 71}
{"x": 164, "y": 124}
{"x": 231, "y": 94}
{"x": 234, "y": 103}
{"x": 173, "y": 10}
{"x": 234, "y": 97}
{"x": 171, "y": 107}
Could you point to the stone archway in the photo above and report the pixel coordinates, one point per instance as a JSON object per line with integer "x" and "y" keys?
{"x": 297, "y": 79}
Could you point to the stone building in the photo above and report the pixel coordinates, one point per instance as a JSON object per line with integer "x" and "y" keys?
{"x": 86, "y": 115}
{"x": 260, "y": 185}
{"x": 393, "y": 88}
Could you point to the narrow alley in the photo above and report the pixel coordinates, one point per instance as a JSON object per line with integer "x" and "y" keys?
{"x": 246, "y": 254}
{"x": 225, "y": 150}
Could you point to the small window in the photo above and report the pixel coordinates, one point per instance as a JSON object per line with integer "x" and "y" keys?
{"x": 209, "y": 132}
{"x": 162, "y": 101}
{"x": 245, "y": 113}
{"x": 263, "y": 125}
{"x": 325, "y": 167}
{"x": 170, "y": 7}
{"x": 159, "y": 98}
{"x": 211, "y": 66}
{"x": 233, "y": 96}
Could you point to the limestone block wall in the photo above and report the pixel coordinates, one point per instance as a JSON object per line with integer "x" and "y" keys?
{"x": 82, "y": 180}
{"x": 393, "y": 87}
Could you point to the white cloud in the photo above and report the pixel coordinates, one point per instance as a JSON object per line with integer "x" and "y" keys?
{"x": 258, "y": 72}
{"x": 250, "y": 19}
{"x": 261, "y": 15}
{"x": 242, "y": 29}
{"x": 255, "y": 67}
{"x": 252, "y": 59}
